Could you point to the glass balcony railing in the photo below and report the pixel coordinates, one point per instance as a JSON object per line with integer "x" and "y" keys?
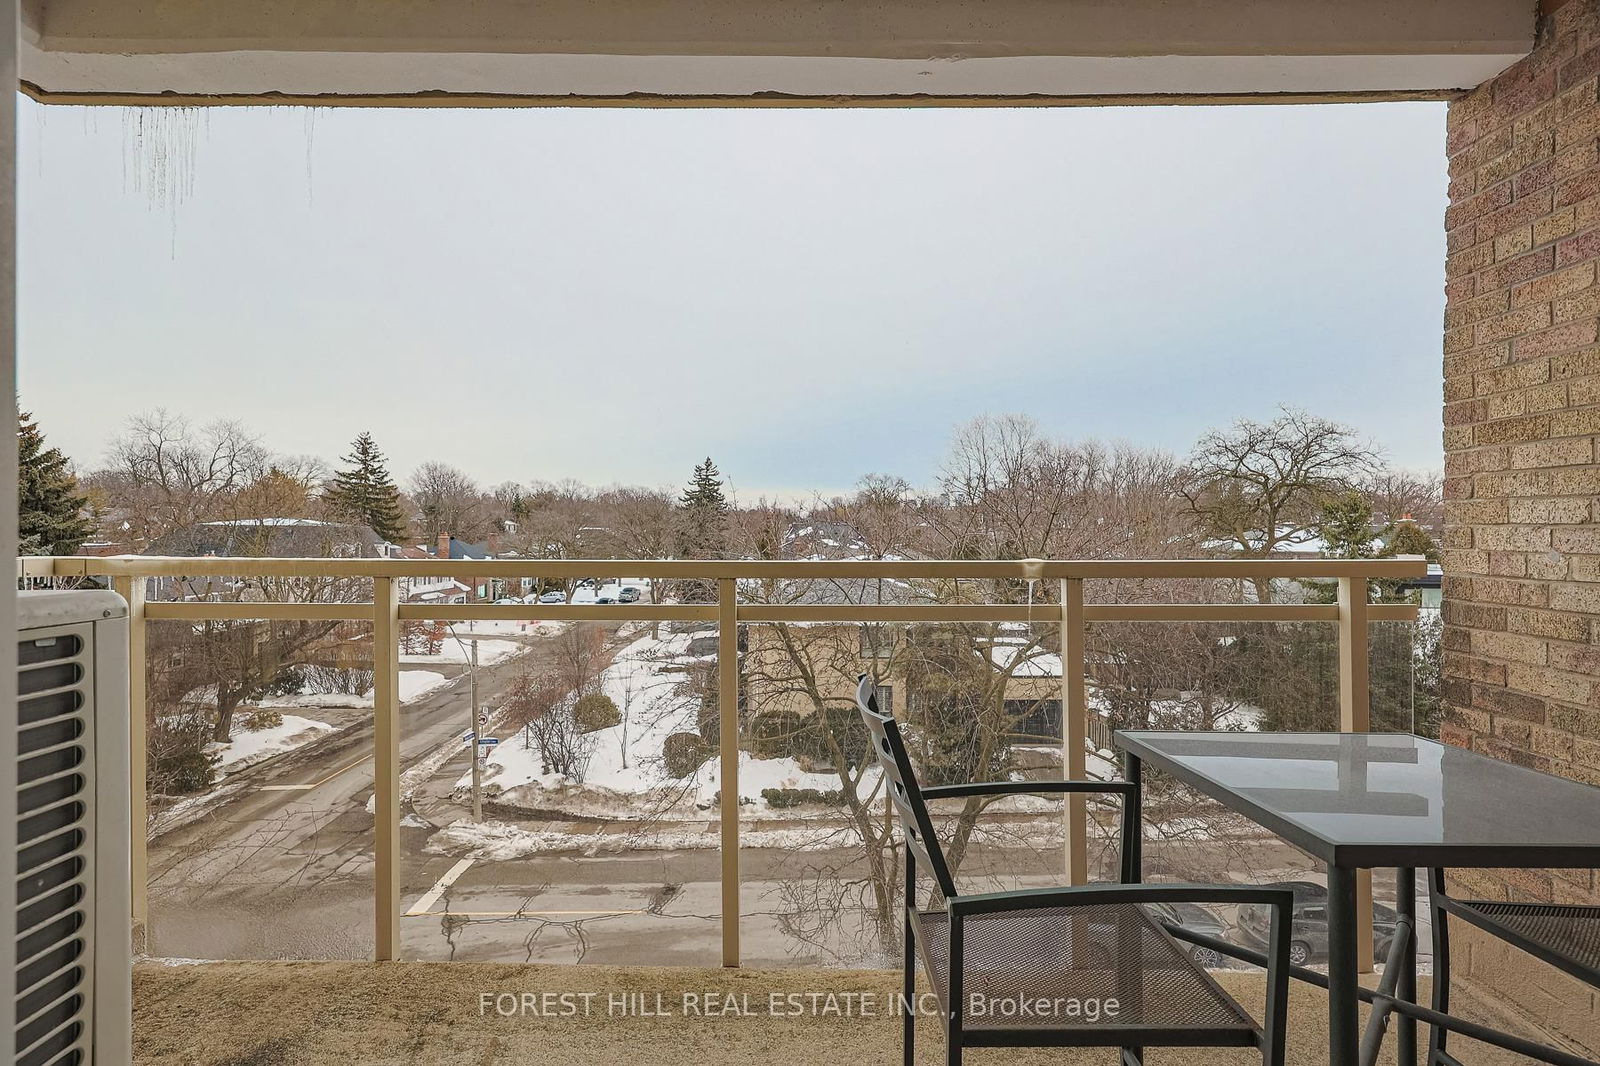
{"x": 675, "y": 773}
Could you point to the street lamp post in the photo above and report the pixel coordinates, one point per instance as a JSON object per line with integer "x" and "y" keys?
{"x": 477, "y": 742}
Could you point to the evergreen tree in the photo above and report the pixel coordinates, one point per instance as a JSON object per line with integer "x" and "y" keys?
{"x": 703, "y": 515}
{"x": 1296, "y": 669}
{"x": 50, "y": 518}
{"x": 366, "y": 493}
{"x": 1410, "y": 539}
{"x": 1345, "y": 527}
{"x": 702, "y": 531}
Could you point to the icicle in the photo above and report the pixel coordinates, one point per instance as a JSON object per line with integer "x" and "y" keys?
{"x": 310, "y": 118}
{"x": 159, "y": 149}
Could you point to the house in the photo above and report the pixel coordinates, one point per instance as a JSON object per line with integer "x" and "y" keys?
{"x": 429, "y": 589}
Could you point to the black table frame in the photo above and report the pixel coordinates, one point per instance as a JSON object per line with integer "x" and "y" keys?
{"x": 1341, "y": 861}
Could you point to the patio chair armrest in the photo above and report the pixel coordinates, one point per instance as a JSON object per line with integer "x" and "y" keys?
{"x": 1026, "y": 788}
{"x": 1095, "y": 895}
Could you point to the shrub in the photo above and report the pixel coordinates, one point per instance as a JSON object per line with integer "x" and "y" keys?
{"x": 178, "y": 759}
{"x": 286, "y": 682}
{"x": 596, "y": 711}
{"x": 795, "y": 797}
{"x": 775, "y": 734}
{"x": 340, "y": 680}
{"x": 421, "y": 638}
{"x": 261, "y": 718}
{"x": 682, "y": 753}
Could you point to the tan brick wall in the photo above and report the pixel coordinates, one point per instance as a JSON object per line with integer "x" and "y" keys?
{"x": 1521, "y": 420}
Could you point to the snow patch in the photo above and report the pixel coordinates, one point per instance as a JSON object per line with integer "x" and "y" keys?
{"x": 248, "y": 747}
{"x": 456, "y": 650}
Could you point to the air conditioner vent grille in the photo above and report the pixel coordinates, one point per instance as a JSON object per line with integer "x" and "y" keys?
{"x": 53, "y": 919}
{"x": 49, "y": 878}
{"x": 55, "y": 762}
{"x": 49, "y": 650}
{"x": 49, "y": 793}
{"x": 50, "y": 705}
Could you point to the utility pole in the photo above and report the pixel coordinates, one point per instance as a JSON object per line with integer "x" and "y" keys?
{"x": 477, "y": 743}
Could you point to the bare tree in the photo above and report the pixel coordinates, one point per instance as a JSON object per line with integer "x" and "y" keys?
{"x": 447, "y": 501}
{"x": 637, "y": 522}
{"x": 1010, "y": 492}
{"x": 1258, "y": 485}
{"x": 580, "y": 657}
{"x": 164, "y": 474}
{"x": 541, "y": 707}
{"x": 564, "y": 748}
{"x": 559, "y": 522}
{"x": 242, "y": 659}
{"x": 1395, "y": 493}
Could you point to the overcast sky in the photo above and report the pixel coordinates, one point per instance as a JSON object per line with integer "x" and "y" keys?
{"x": 804, "y": 295}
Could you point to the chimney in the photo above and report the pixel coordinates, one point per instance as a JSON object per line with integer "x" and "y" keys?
{"x": 443, "y": 550}
{"x": 494, "y": 545}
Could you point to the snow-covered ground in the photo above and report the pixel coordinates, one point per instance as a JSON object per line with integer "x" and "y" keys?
{"x": 460, "y": 651}
{"x": 249, "y": 746}
{"x": 505, "y": 627}
{"x": 414, "y": 684}
{"x": 625, "y": 775}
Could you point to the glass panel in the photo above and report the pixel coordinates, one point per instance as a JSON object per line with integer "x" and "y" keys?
{"x": 1404, "y": 670}
{"x": 975, "y": 702}
{"x": 599, "y": 795}
{"x": 260, "y": 739}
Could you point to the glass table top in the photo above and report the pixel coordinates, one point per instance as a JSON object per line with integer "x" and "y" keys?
{"x": 1379, "y": 798}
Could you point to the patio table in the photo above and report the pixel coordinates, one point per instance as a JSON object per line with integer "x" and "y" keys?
{"x": 1365, "y": 800}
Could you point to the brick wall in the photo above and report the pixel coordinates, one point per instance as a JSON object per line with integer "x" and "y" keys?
{"x": 1521, "y": 421}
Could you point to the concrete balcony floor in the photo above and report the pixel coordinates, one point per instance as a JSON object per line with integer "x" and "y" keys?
{"x": 355, "y": 1014}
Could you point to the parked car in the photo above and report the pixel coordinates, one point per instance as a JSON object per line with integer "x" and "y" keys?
{"x": 629, "y": 594}
{"x": 1308, "y": 936}
{"x": 1194, "y": 916}
{"x": 553, "y": 597}
{"x": 506, "y": 601}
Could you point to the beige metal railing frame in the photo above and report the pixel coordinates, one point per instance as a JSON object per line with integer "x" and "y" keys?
{"x": 129, "y": 574}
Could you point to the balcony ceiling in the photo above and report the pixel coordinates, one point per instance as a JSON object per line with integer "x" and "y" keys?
{"x": 762, "y": 51}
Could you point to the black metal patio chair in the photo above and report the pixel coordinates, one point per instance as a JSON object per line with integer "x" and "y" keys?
{"x": 1567, "y": 936}
{"x": 1080, "y": 966}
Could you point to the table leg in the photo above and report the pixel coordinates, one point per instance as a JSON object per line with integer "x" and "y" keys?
{"x": 1343, "y": 1015}
{"x": 1405, "y": 1027}
{"x": 1133, "y": 821}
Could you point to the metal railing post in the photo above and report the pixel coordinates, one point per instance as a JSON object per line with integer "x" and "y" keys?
{"x": 1074, "y": 727}
{"x": 1355, "y": 716}
{"x": 728, "y": 735}
{"x": 386, "y": 768}
{"x": 133, "y": 590}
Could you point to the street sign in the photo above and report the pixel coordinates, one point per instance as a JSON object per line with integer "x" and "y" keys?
{"x": 488, "y": 742}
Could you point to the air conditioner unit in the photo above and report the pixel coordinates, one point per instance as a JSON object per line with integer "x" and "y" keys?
{"x": 65, "y": 912}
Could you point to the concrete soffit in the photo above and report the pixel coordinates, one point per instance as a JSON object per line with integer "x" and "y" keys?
{"x": 506, "y": 52}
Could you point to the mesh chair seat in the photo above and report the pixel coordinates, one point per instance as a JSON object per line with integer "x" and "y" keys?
{"x": 1565, "y": 935}
{"x": 1105, "y": 967}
